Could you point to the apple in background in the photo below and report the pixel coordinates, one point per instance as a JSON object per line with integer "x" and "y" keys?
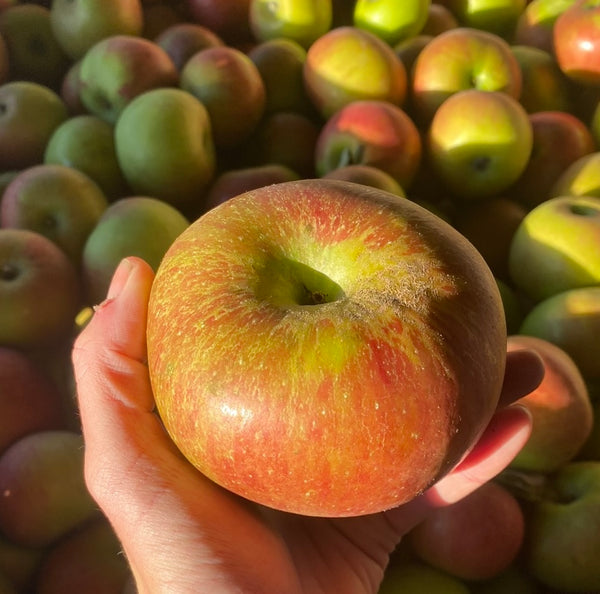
{"x": 370, "y": 132}
{"x": 581, "y": 178}
{"x": 182, "y": 40}
{"x": 18, "y": 565}
{"x": 70, "y": 90}
{"x": 474, "y": 539}
{"x": 419, "y": 578}
{"x": 89, "y": 559}
{"x": 80, "y": 24}
{"x": 394, "y": 405}
{"x": 161, "y": 15}
{"x": 29, "y": 114}
{"x": 576, "y": 36}
{"x": 496, "y": 16}
{"x": 557, "y": 247}
{"x": 86, "y": 143}
{"x": 165, "y": 147}
{"x": 390, "y": 20}
{"x": 367, "y": 175}
{"x": 132, "y": 226}
{"x": 461, "y": 59}
{"x": 33, "y": 52}
{"x": 439, "y": 19}
{"x": 513, "y": 580}
{"x": 219, "y": 77}
{"x": 514, "y": 308}
{"x": 563, "y": 530}
{"x": 43, "y": 489}
{"x": 560, "y": 408}
{"x": 303, "y": 22}
{"x": 119, "y": 68}
{"x": 347, "y": 64}
{"x": 227, "y": 18}
{"x": 571, "y": 320}
{"x": 32, "y": 266}
{"x": 478, "y": 157}
{"x": 559, "y": 139}
{"x": 590, "y": 450}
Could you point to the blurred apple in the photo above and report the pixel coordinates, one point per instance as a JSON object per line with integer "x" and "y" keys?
{"x": 70, "y": 90}
{"x": 227, "y": 18}
{"x": 39, "y": 290}
{"x": 515, "y": 579}
{"x": 496, "y": 16}
{"x": 165, "y": 148}
{"x": 560, "y": 408}
{"x": 18, "y": 565}
{"x": 590, "y": 450}
{"x": 439, "y": 19}
{"x": 86, "y": 143}
{"x": 43, "y": 490}
{"x": 119, "y": 68}
{"x": 370, "y": 132}
{"x": 415, "y": 577}
{"x": 57, "y": 201}
{"x": 29, "y": 114}
{"x": 79, "y": 24}
{"x": 132, "y": 226}
{"x": 581, "y": 178}
{"x": 346, "y": 64}
{"x": 557, "y": 247}
{"x": 514, "y": 309}
{"x": 481, "y": 156}
{"x": 367, "y": 175}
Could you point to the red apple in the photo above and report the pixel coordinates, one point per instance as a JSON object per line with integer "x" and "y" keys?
{"x": 368, "y": 304}
{"x": 367, "y": 175}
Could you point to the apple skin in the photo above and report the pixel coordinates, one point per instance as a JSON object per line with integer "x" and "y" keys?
{"x": 43, "y": 487}
{"x": 370, "y": 132}
{"x": 496, "y": 16}
{"x": 460, "y": 59}
{"x": 563, "y": 530}
{"x": 347, "y": 64}
{"x": 560, "y": 408}
{"x": 557, "y": 247}
{"x": 119, "y": 68}
{"x": 80, "y": 24}
{"x": 479, "y": 157}
{"x": 367, "y": 175}
{"x": 362, "y": 350}
{"x": 70, "y": 90}
{"x": 56, "y": 201}
{"x": 580, "y": 178}
{"x": 31, "y": 266}
{"x": 439, "y": 19}
{"x": 227, "y": 18}
{"x": 474, "y": 539}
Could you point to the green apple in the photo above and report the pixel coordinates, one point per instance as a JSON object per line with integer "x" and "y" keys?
{"x": 218, "y": 77}
{"x": 86, "y": 143}
{"x": 57, "y": 201}
{"x": 133, "y": 226}
{"x": 119, "y": 68}
{"x": 79, "y": 24}
{"x": 303, "y": 21}
{"x": 165, "y": 147}
{"x": 368, "y": 303}
{"x": 367, "y": 175}
{"x": 514, "y": 309}
{"x": 580, "y": 178}
{"x": 390, "y": 20}
{"x": 29, "y": 114}
{"x": 497, "y": 16}
{"x": 560, "y": 408}
{"x": 557, "y": 247}
{"x": 419, "y": 578}
{"x": 563, "y": 530}
{"x": 571, "y": 320}
{"x": 478, "y": 157}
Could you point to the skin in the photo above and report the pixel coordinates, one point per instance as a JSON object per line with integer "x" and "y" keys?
{"x": 150, "y": 493}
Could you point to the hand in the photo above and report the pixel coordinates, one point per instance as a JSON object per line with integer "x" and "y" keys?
{"x": 182, "y": 533}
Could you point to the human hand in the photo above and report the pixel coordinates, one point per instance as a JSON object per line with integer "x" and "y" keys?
{"x": 182, "y": 533}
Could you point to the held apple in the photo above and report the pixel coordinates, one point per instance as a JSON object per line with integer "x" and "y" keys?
{"x": 306, "y": 346}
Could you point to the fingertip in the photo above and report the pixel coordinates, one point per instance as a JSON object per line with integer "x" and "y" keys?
{"x": 524, "y": 372}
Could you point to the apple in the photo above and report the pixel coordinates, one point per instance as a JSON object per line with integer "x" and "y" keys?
{"x": 478, "y": 157}
{"x": 460, "y": 59}
{"x": 590, "y": 450}
{"x": 514, "y": 580}
{"x": 497, "y": 16}
{"x": 218, "y": 77}
{"x": 439, "y": 19}
{"x": 580, "y": 178}
{"x": 474, "y": 539}
{"x": 557, "y": 247}
{"x": 390, "y": 20}
{"x": 70, "y": 90}
{"x": 514, "y": 309}
{"x": 29, "y": 114}
{"x": 39, "y": 290}
{"x": 303, "y": 21}
{"x": 370, "y": 132}
{"x": 560, "y": 408}
{"x": 563, "y": 530}
{"x": 119, "y": 68}
{"x": 571, "y": 320}
{"x": 419, "y": 578}
{"x": 33, "y": 52}
{"x": 86, "y": 143}
{"x": 80, "y": 24}
{"x": 347, "y": 64}
{"x": 559, "y": 139}
{"x": 18, "y": 566}
{"x": 368, "y": 303}
{"x": 367, "y": 175}
{"x": 132, "y": 226}
{"x": 576, "y": 36}
{"x": 165, "y": 148}
{"x": 227, "y": 18}
{"x": 59, "y": 202}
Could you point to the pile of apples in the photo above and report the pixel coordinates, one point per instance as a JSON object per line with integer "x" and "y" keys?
{"x": 121, "y": 121}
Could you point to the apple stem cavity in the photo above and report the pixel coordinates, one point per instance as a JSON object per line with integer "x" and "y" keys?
{"x": 8, "y": 272}
{"x": 584, "y": 210}
{"x": 481, "y": 164}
